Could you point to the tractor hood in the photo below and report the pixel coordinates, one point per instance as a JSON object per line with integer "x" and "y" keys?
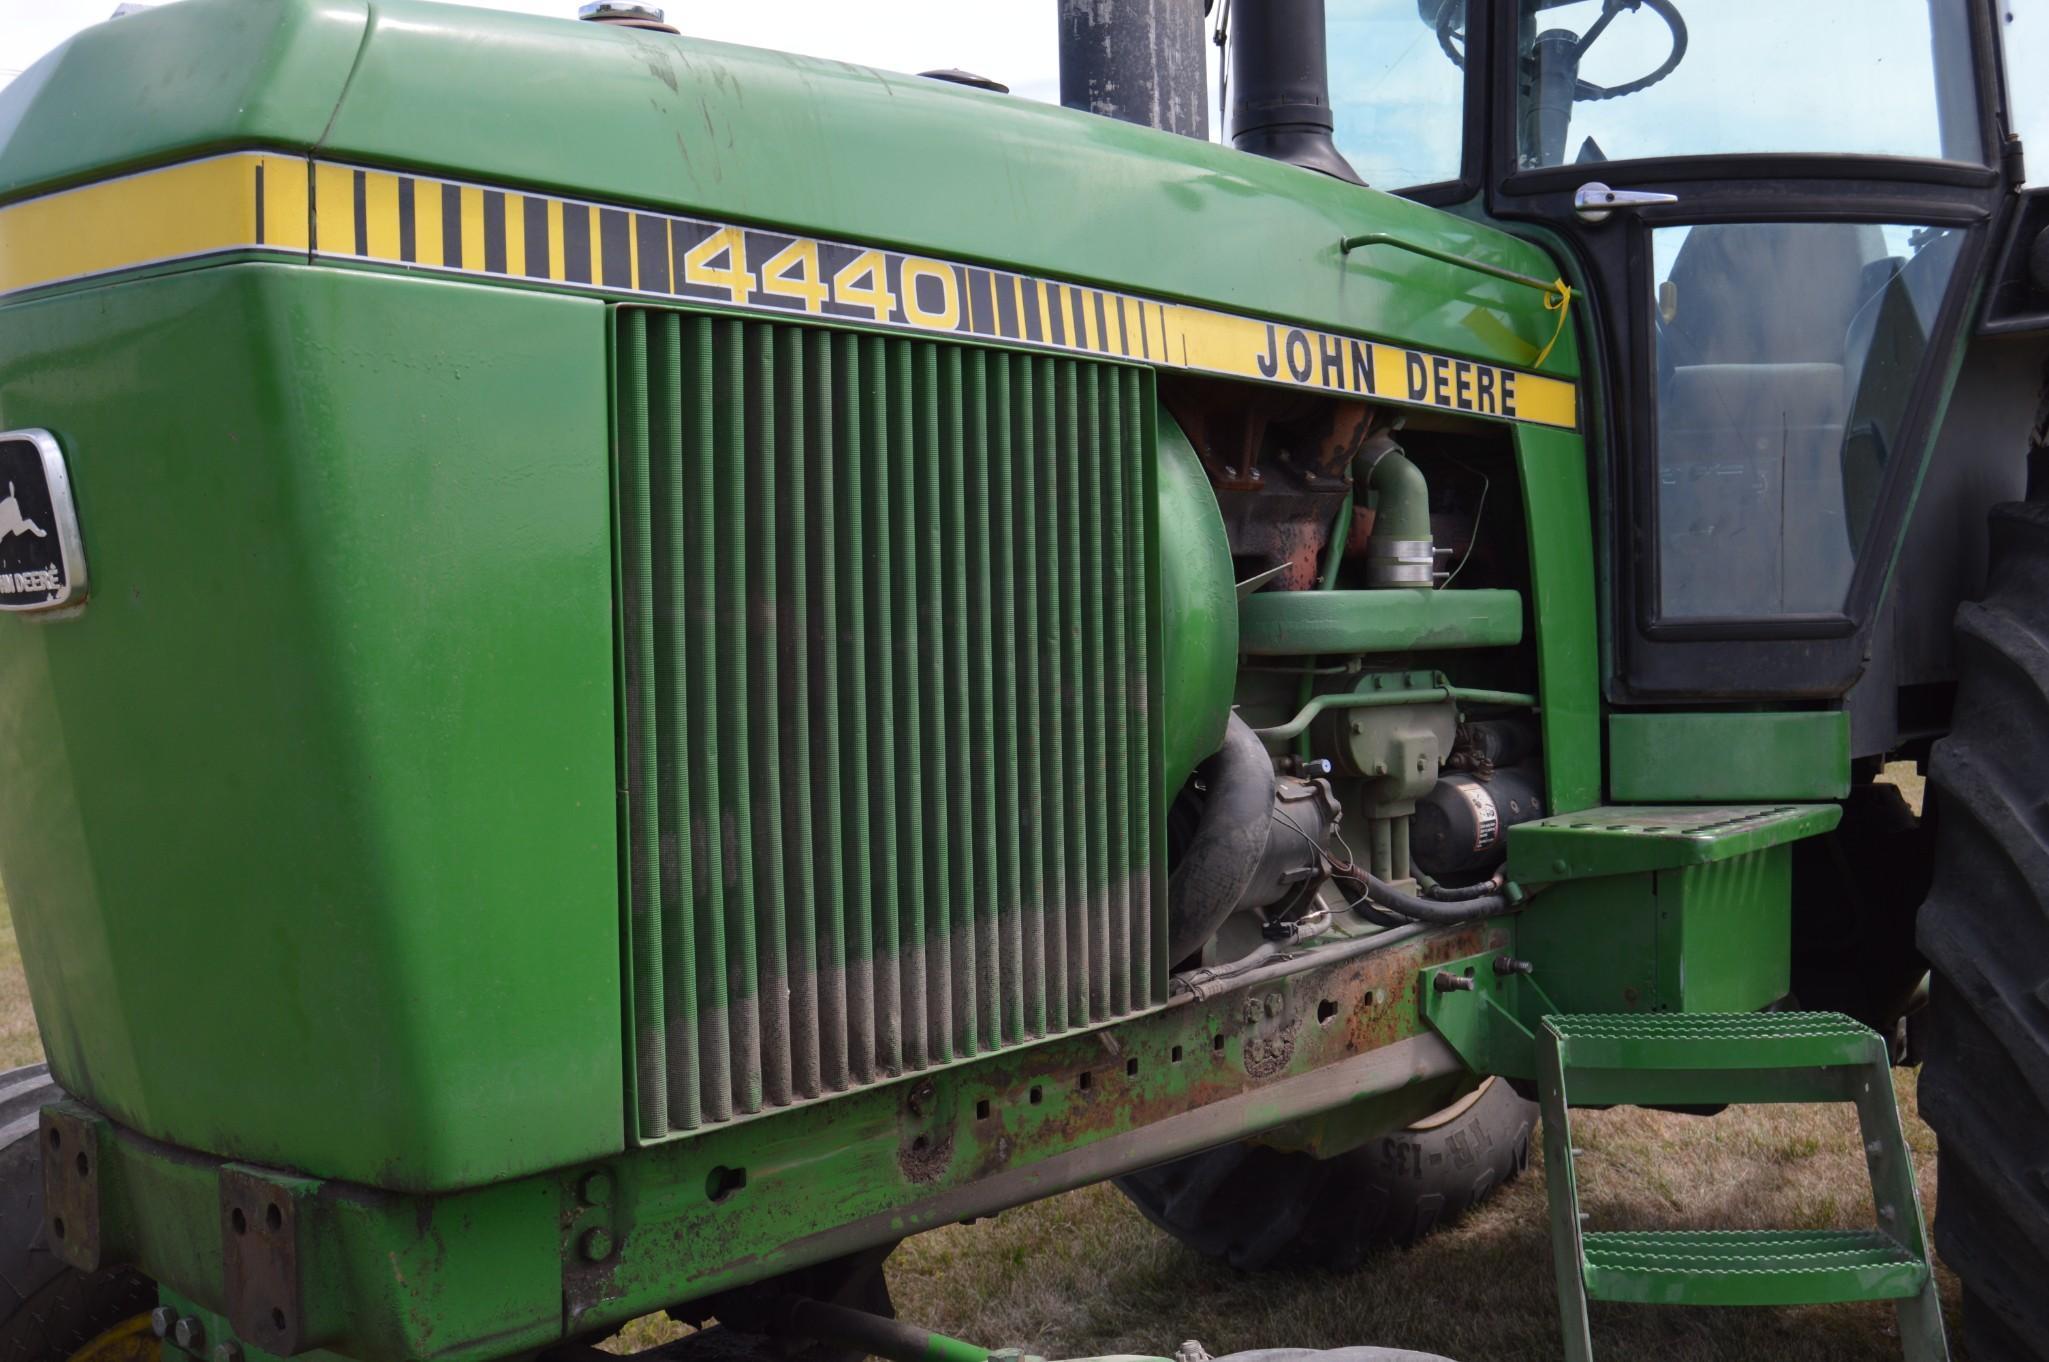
{"x": 742, "y": 135}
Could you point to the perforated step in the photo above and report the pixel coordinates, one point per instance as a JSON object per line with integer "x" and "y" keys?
{"x": 1666, "y": 1041}
{"x": 1666, "y": 1057}
{"x": 1749, "y": 1267}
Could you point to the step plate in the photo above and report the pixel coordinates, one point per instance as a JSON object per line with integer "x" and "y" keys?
{"x": 1748, "y": 1267}
{"x": 1668, "y": 1041}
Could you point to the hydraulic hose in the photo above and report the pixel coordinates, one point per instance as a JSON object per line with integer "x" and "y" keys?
{"x": 1389, "y": 899}
{"x": 1229, "y": 843}
{"x": 1443, "y": 894}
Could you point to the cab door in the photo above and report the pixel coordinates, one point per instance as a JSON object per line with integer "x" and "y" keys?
{"x": 1779, "y": 213}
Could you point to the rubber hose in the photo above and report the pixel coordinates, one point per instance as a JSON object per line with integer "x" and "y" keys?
{"x": 1229, "y": 843}
{"x": 1389, "y": 899}
{"x": 1443, "y": 894}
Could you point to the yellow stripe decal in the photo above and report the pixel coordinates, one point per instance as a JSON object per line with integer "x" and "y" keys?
{"x": 314, "y": 210}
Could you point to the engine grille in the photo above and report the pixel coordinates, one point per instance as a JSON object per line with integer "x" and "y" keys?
{"x": 889, "y": 751}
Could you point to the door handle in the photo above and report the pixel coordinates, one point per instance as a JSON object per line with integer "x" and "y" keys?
{"x": 1594, "y": 201}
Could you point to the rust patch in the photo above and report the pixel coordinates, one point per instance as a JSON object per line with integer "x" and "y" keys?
{"x": 923, "y": 1157}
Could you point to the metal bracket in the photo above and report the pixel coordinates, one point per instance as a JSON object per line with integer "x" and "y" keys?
{"x": 260, "y": 1266}
{"x": 1487, "y": 1008}
{"x": 69, "y": 1139}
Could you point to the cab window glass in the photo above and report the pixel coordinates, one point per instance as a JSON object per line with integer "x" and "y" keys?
{"x": 1398, "y": 101}
{"x": 1611, "y": 80}
{"x": 1785, "y": 354}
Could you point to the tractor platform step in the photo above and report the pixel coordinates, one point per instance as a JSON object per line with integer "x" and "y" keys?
{"x": 1667, "y": 1057}
{"x": 1749, "y": 1267}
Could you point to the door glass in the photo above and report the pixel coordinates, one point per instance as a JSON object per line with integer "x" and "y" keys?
{"x": 1785, "y": 354}
{"x": 1398, "y": 100}
{"x": 1611, "y": 80}
{"x": 2025, "y": 24}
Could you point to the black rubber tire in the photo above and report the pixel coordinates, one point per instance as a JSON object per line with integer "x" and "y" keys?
{"x": 1985, "y": 931}
{"x": 48, "y": 1310}
{"x": 1256, "y": 1207}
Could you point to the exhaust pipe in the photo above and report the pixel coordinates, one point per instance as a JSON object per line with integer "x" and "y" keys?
{"x": 1280, "y": 86}
{"x": 1137, "y": 60}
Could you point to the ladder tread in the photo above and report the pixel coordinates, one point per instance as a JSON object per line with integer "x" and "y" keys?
{"x": 1749, "y": 1267}
{"x": 1713, "y": 1040}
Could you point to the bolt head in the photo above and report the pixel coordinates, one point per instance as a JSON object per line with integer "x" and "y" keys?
{"x": 1273, "y": 1004}
{"x": 161, "y": 1319}
{"x": 596, "y": 1189}
{"x": 189, "y": 1334}
{"x": 597, "y": 1244}
{"x": 230, "y": 1351}
{"x": 619, "y": 9}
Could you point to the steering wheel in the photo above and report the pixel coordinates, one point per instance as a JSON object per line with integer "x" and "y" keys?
{"x": 1450, "y": 13}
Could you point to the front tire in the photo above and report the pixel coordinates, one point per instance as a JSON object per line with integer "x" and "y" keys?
{"x": 1985, "y": 930}
{"x": 1257, "y": 1207}
{"x": 49, "y": 1310}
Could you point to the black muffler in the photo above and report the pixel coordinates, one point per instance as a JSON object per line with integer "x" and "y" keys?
{"x": 1280, "y": 85}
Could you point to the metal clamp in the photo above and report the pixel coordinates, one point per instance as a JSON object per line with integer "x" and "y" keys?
{"x": 70, "y": 1147}
{"x": 260, "y": 1258}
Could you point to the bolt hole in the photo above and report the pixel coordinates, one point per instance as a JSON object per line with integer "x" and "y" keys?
{"x": 277, "y": 1319}
{"x": 1037, "y": 1094}
{"x": 723, "y": 1182}
{"x": 1372, "y": 998}
{"x": 920, "y": 1145}
{"x": 1131, "y": 1068}
{"x": 1085, "y": 1082}
{"x": 1326, "y": 1010}
{"x": 982, "y": 1110}
{"x": 84, "y": 1164}
{"x": 56, "y": 1138}
{"x": 57, "y": 1227}
{"x": 1469, "y": 971}
{"x": 1174, "y": 1055}
{"x": 273, "y": 1217}
{"x": 239, "y": 1221}
{"x": 1216, "y": 1044}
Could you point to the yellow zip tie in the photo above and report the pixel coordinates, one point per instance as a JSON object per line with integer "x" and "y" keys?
{"x": 1557, "y": 298}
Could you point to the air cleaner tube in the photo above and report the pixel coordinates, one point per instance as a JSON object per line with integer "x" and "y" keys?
{"x": 1229, "y": 843}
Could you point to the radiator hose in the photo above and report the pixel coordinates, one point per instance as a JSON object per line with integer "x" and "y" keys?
{"x": 1229, "y": 842}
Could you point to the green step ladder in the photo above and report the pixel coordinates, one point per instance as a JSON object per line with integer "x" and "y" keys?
{"x": 1674, "y": 1058}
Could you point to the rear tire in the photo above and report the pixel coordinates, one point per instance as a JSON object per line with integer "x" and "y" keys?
{"x": 1985, "y": 931}
{"x": 49, "y": 1310}
{"x": 1256, "y": 1207}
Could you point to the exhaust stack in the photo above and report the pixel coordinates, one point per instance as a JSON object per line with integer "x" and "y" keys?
{"x": 1280, "y": 85}
{"x": 1138, "y": 60}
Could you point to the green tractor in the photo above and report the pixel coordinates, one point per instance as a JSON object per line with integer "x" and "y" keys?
{"x": 634, "y": 669}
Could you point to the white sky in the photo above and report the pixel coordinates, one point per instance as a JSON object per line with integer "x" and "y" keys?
{"x": 1394, "y": 95}
{"x": 1014, "y": 41}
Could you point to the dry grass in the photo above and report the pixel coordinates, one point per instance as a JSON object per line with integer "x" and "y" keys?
{"x": 1083, "y": 1274}
{"x": 19, "y": 1043}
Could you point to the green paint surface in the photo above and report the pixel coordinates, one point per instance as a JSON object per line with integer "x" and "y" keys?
{"x": 1627, "y": 839}
{"x": 1390, "y": 619}
{"x": 309, "y": 826}
{"x": 1553, "y": 467}
{"x": 1716, "y": 758}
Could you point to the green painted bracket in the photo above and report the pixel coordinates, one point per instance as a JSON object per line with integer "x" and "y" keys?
{"x": 1631, "y": 839}
{"x": 1487, "y": 1011}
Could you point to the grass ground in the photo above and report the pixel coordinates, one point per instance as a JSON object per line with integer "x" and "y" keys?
{"x": 1084, "y": 1275}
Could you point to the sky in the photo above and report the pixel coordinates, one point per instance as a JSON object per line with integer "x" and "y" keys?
{"x": 1013, "y": 41}
{"x": 1395, "y": 91}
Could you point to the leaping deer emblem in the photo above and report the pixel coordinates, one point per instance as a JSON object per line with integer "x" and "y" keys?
{"x": 13, "y": 522}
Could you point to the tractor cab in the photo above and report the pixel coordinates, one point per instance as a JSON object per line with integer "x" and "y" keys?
{"x": 1774, "y": 217}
